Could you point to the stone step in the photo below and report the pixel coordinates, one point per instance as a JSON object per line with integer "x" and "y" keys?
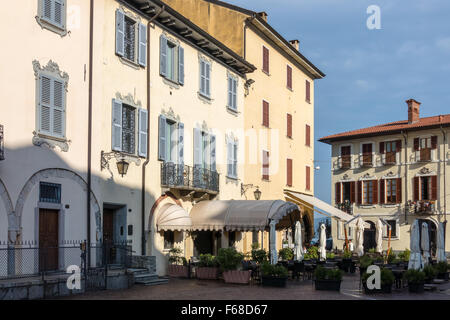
{"x": 140, "y": 278}
{"x": 156, "y": 282}
{"x": 137, "y": 271}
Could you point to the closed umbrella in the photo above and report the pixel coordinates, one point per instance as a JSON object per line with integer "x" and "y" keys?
{"x": 425, "y": 243}
{"x": 273, "y": 243}
{"x": 415, "y": 259}
{"x": 379, "y": 236}
{"x": 322, "y": 242}
{"x": 360, "y": 237}
{"x": 298, "y": 250}
{"x": 441, "y": 244}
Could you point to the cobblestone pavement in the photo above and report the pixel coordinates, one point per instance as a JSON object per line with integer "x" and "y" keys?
{"x": 185, "y": 289}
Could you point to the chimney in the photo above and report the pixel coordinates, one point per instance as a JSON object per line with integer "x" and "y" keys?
{"x": 296, "y": 44}
{"x": 413, "y": 110}
{"x": 263, "y": 15}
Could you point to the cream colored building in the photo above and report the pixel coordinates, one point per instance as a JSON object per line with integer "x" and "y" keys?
{"x": 398, "y": 172}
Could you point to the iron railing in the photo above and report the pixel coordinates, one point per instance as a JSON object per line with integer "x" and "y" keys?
{"x": 424, "y": 207}
{"x": 345, "y": 206}
{"x": 2, "y": 146}
{"x": 187, "y": 177}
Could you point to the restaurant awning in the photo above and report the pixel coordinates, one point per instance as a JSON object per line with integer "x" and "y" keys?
{"x": 173, "y": 218}
{"x": 320, "y": 207}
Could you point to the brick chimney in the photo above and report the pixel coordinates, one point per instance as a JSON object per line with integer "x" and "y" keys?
{"x": 413, "y": 110}
{"x": 295, "y": 43}
{"x": 263, "y": 15}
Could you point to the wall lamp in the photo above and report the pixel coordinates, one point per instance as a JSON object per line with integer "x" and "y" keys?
{"x": 122, "y": 165}
{"x": 257, "y": 193}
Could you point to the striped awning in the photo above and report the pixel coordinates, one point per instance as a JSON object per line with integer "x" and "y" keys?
{"x": 173, "y": 218}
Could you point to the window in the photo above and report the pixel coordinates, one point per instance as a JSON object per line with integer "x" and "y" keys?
{"x": 308, "y": 136}
{"x": 169, "y": 240}
{"x": 52, "y": 15}
{"x": 367, "y": 156}
{"x": 346, "y": 157}
{"x": 232, "y": 92}
{"x": 265, "y": 119}
{"x": 289, "y": 125}
{"x": 425, "y": 148}
{"x": 391, "y": 191}
{"x": 171, "y": 141}
{"x": 348, "y": 192}
{"x": 392, "y": 224}
{"x": 265, "y": 60}
{"x": 289, "y": 172}
{"x": 369, "y": 191}
{"x": 204, "y": 150}
{"x": 205, "y": 78}
{"x": 289, "y": 77}
{"x": 131, "y": 39}
{"x": 265, "y": 165}
{"x": 389, "y": 151}
{"x": 308, "y": 91}
{"x": 308, "y": 178}
{"x": 232, "y": 148}
{"x": 49, "y": 192}
{"x": 124, "y": 129}
{"x": 231, "y": 238}
{"x": 426, "y": 187}
{"x": 171, "y": 60}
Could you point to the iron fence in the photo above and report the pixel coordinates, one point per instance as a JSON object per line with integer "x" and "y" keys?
{"x": 183, "y": 176}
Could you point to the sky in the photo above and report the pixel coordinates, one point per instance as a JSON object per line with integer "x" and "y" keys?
{"x": 369, "y": 73}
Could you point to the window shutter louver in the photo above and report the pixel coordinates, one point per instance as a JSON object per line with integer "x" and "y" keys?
{"x": 212, "y": 144}
{"x": 352, "y": 192}
{"x": 289, "y": 172}
{"x": 143, "y": 132}
{"x": 181, "y": 144}
{"x": 308, "y": 135}
{"x": 382, "y": 147}
{"x": 47, "y": 10}
{"x": 359, "y": 192}
{"x": 198, "y": 161}
{"x": 308, "y": 91}
{"x": 120, "y": 33}
{"x": 117, "y": 125}
{"x": 202, "y": 77}
{"x": 207, "y": 79}
{"x": 142, "y": 45}
{"x": 382, "y": 191}
{"x": 265, "y": 114}
{"x": 162, "y": 138}
{"x": 58, "y": 11}
{"x": 230, "y": 92}
{"x": 265, "y": 59}
{"x": 289, "y": 125}
{"x": 234, "y": 87}
{"x": 416, "y": 144}
{"x": 235, "y": 150}
{"x": 337, "y": 191}
{"x": 163, "y": 56}
{"x": 45, "y": 104}
{"x": 434, "y": 188}
{"x": 308, "y": 178}
{"x": 375, "y": 191}
{"x": 289, "y": 77}
{"x": 229, "y": 158}
{"x": 433, "y": 142}
{"x": 181, "y": 65}
{"x": 58, "y": 116}
{"x": 416, "y": 188}
{"x": 399, "y": 190}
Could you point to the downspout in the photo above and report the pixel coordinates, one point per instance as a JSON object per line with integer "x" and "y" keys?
{"x": 405, "y": 136}
{"x": 147, "y": 160}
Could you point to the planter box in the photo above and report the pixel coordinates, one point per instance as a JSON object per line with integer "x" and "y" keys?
{"x": 177, "y": 271}
{"x": 328, "y": 285}
{"x": 274, "y": 281}
{"x": 238, "y": 277}
{"x": 416, "y": 287}
{"x": 384, "y": 289}
{"x": 207, "y": 273}
{"x": 443, "y": 276}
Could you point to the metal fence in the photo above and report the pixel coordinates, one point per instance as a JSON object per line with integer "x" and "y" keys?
{"x": 183, "y": 176}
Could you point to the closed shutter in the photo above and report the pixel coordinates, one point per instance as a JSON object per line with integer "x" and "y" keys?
{"x": 265, "y": 165}
{"x": 289, "y": 77}
{"x": 434, "y": 188}
{"x": 230, "y": 92}
{"x": 235, "y": 152}
{"x": 202, "y": 77}
{"x": 163, "y": 55}
{"x": 382, "y": 147}
{"x": 234, "y": 88}
{"x": 181, "y": 144}
{"x": 207, "y": 79}
{"x": 58, "y": 116}
{"x": 416, "y": 188}
{"x": 116, "y": 125}
{"x": 212, "y": 145}
{"x": 308, "y": 135}
{"x": 47, "y": 10}
{"x": 308, "y": 91}
{"x": 265, "y": 59}
{"x": 181, "y": 65}
{"x": 375, "y": 191}
{"x": 265, "y": 114}
{"x": 359, "y": 192}
{"x": 162, "y": 140}
{"x": 198, "y": 145}
{"x": 337, "y": 190}
{"x": 143, "y": 132}
{"x": 229, "y": 157}
{"x": 399, "y": 190}
{"x": 142, "y": 44}
{"x": 352, "y": 191}
{"x": 416, "y": 144}
{"x": 308, "y": 178}
{"x": 58, "y": 11}
{"x": 120, "y": 33}
{"x": 289, "y": 172}
{"x": 289, "y": 125}
{"x": 433, "y": 142}
{"x": 45, "y": 109}
{"x": 382, "y": 191}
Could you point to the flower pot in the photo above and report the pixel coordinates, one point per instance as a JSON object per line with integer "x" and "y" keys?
{"x": 207, "y": 273}
{"x": 177, "y": 271}
{"x": 416, "y": 287}
{"x": 443, "y": 276}
{"x": 328, "y": 285}
{"x": 238, "y": 277}
{"x": 268, "y": 281}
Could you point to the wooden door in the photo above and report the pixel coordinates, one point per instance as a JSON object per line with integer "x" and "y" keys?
{"x": 108, "y": 234}
{"x": 48, "y": 239}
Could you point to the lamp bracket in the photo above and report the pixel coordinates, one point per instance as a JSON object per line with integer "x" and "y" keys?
{"x": 106, "y": 156}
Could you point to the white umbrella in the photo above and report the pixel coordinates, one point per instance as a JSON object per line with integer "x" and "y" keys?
{"x": 441, "y": 244}
{"x": 360, "y": 237}
{"x": 379, "y": 236}
{"x": 298, "y": 250}
{"x": 273, "y": 243}
{"x": 415, "y": 259}
{"x": 322, "y": 241}
{"x": 425, "y": 243}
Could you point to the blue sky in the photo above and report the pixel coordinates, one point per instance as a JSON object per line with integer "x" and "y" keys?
{"x": 370, "y": 73}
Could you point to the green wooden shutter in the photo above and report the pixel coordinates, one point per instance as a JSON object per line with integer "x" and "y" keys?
{"x": 116, "y": 125}
{"x": 120, "y": 33}
{"x": 143, "y": 132}
{"x": 163, "y": 55}
{"x": 142, "y": 45}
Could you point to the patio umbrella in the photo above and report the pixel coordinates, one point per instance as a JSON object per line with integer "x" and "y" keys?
{"x": 441, "y": 244}
{"x": 425, "y": 243}
{"x": 322, "y": 242}
{"x": 298, "y": 250}
{"x": 415, "y": 259}
{"x": 360, "y": 237}
{"x": 273, "y": 243}
{"x": 379, "y": 236}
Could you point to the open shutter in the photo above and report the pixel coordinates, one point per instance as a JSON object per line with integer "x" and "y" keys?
{"x": 116, "y": 125}
{"x": 198, "y": 147}
{"x": 399, "y": 190}
{"x": 143, "y": 132}
{"x": 142, "y": 45}
{"x": 416, "y": 188}
{"x": 235, "y": 152}
{"x": 289, "y": 172}
{"x": 416, "y": 144}
{"x": 181, "y": 65}
{"x": 162, "y": 138}
{"x": 212, "y": 145}
{"x": 58, "y": 116}
{"x": 433, "y": 142}
{"x": 352, "y": 192}
{"x": 229, "y": 157}
{"x": 382, "y": 191}
{"x": 181, "y": 143}
{"x": 398, "y": 145}
{"x": 359, "y": 192}
{"x": 120, "y": 33}
{"x": 434, "y": 188}
{"x": 45, "y": 108}
{"x": 337, "y": 190}
{"x": 375, "y": 191}
{"x": 163, "y": 55}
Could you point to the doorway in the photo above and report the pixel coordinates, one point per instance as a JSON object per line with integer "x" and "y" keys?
{"x": 204, "y": 243}
{"x": 108, "y": 233}
{"x": 114, "y": 232}
{"x": 48, "y": 239}
{"x": 370, "y": 237}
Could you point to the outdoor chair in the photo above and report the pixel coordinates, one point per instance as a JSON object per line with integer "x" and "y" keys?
{"x": 299, "y": 269}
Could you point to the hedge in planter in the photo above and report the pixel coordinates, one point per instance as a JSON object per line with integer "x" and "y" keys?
{"x": 387, "y": 280}
{"x": 327, "y": 279}
{"x": 442, "y": 270}
{"x": 273, "y": 275}
{"x": 416, "y": 280}
{"x": 286, "y": 254}
{"x": 208, "y": 268}
{"x": 430, "y": 273}
{"x": 230, "y": 261}
{"x": 177, "y": 264}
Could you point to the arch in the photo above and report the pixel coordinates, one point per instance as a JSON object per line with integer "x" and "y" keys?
{"x": 55, "y": 173}
{"x": 7, "y": 203}
{"x": 156, "y": 204}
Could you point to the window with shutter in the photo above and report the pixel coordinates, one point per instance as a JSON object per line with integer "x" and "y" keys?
{"x": 52, "y": 106}
{"x": 128, "y": 129}
{"x": 433, "y": 188}
{"x": 308, "y": 178}
{"x": 308, "y": 91}
{"x": 205, "y": 74}
{"x": 142, "y": 45}
{"x": 162, "y": 138}
{"x": 143, "y": 132}
{"x": 416, "y": 182}
{"x": 265, "y": 60}
{"x": 265, "y": 119}
{"x": 52, "y": 15}
{"x": 289, "y": 125}
{"x": 337, "y": 189}
{"x": 117, "y": 125}
{"x": 399, "y": 190}
{"x": 383, "y": 184}
{"x": 181, "y": 65}
{"x": 289, "y": 172}
{"x": 289, "y": 77}
{"x": 360, "y": 199}
{"x": 265, "y": 165}
{"x": 308, "y": 136}
{"x": 352, "y": 192}
{"x": 232, "y": 93}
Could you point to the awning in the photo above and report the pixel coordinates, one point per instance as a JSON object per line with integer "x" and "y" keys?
{"x": 239, "y": 215}
{"x": 320, "y": 207}
{"x": 174, "y": 218}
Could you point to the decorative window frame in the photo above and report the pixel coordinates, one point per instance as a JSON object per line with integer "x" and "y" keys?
{"x": 39, "y": 139}
{"x": 173, "y": 83}
{"x": 137, "y": 19}
{"x": 46, "y": 24}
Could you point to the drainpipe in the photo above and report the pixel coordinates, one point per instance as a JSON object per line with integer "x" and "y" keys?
{"x": 143, "y": 242}
{"x": 405, "y": 136}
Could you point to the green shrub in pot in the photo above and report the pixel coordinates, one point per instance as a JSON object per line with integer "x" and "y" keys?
{"x": 277, "y": 271}
{"x": 404, "y": 255}
{"x": 430, "y": 272}
{"x": 229, "y": 259}
{"x": 391, "y": 257}
{"x": 347, "y": 254}
{"x": 365, "y": 261}
{"x": 286, "y": 254}
{"x": 414, "y": 276}
{"x": 441, "y": 267}
{"x": 207, "y": 261}
{"x": 176, "y": 257}
{"x": 327, "y": 274}
{"x": 313, "y": 252}
{"x": 259, "y": 256}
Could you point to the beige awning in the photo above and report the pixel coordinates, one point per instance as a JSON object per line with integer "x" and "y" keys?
{"x": 209, "y": 215}
{"x": 320, "y": 207}
{"x": 174, "y": 218}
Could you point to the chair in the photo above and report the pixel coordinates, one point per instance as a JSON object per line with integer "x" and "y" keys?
{"x": 299, "y": 269}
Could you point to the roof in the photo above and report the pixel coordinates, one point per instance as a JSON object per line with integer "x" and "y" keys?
{"x": 391, "y": 128}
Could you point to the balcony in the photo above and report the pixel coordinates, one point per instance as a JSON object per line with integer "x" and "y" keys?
{"x": 424, "y": 155}
{"x": 184, "y": 177}
{"x": 345, "y": 206}
{"x": 366, "y": 160}
{"x": 390, "y": 158}
{"x": 343, "y": 162}
{"x": 426, "y": 207}
{"x": 2, "y": 147}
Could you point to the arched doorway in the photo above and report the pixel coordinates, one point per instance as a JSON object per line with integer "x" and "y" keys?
{"x": 432, "y": 233}
{"x": 370, "y": 237}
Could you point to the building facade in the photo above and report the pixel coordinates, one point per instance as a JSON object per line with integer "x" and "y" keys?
{"x": 398, "y": 172}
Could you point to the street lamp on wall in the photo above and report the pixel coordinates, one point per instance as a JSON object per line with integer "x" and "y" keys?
{"x": 257, "y": 193}
{"x": 122, "y": 165}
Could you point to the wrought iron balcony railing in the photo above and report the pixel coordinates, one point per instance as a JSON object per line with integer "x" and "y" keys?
{"x": 2, "y": 147}
{"x": 189, "y": 178}
{"x": 424, "y": 207}
{"x": 345, "y": 206}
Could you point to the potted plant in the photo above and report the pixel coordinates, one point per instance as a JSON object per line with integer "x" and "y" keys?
{"x": 177, "y": 264}
{"x": 327, "y": 279}
{"x": 364, "y": 262}
{"x": 273, "y": 275}
{"x": 230, "y": 260}
{"x": 416, "y": 280}
{"x": 331, "y": 256}
{"x": 430, "y": 273}
{"x": 347, "y": 262}
{"x": 259, "y": 256}
{"x": 390, "y": 259}
{"x": 207, "y": 268}
{"x": 286, "y": 254}
{"x": 387, "y": 280}
{"x": 442, "y": 270}
{"x": 312, "y": 253}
